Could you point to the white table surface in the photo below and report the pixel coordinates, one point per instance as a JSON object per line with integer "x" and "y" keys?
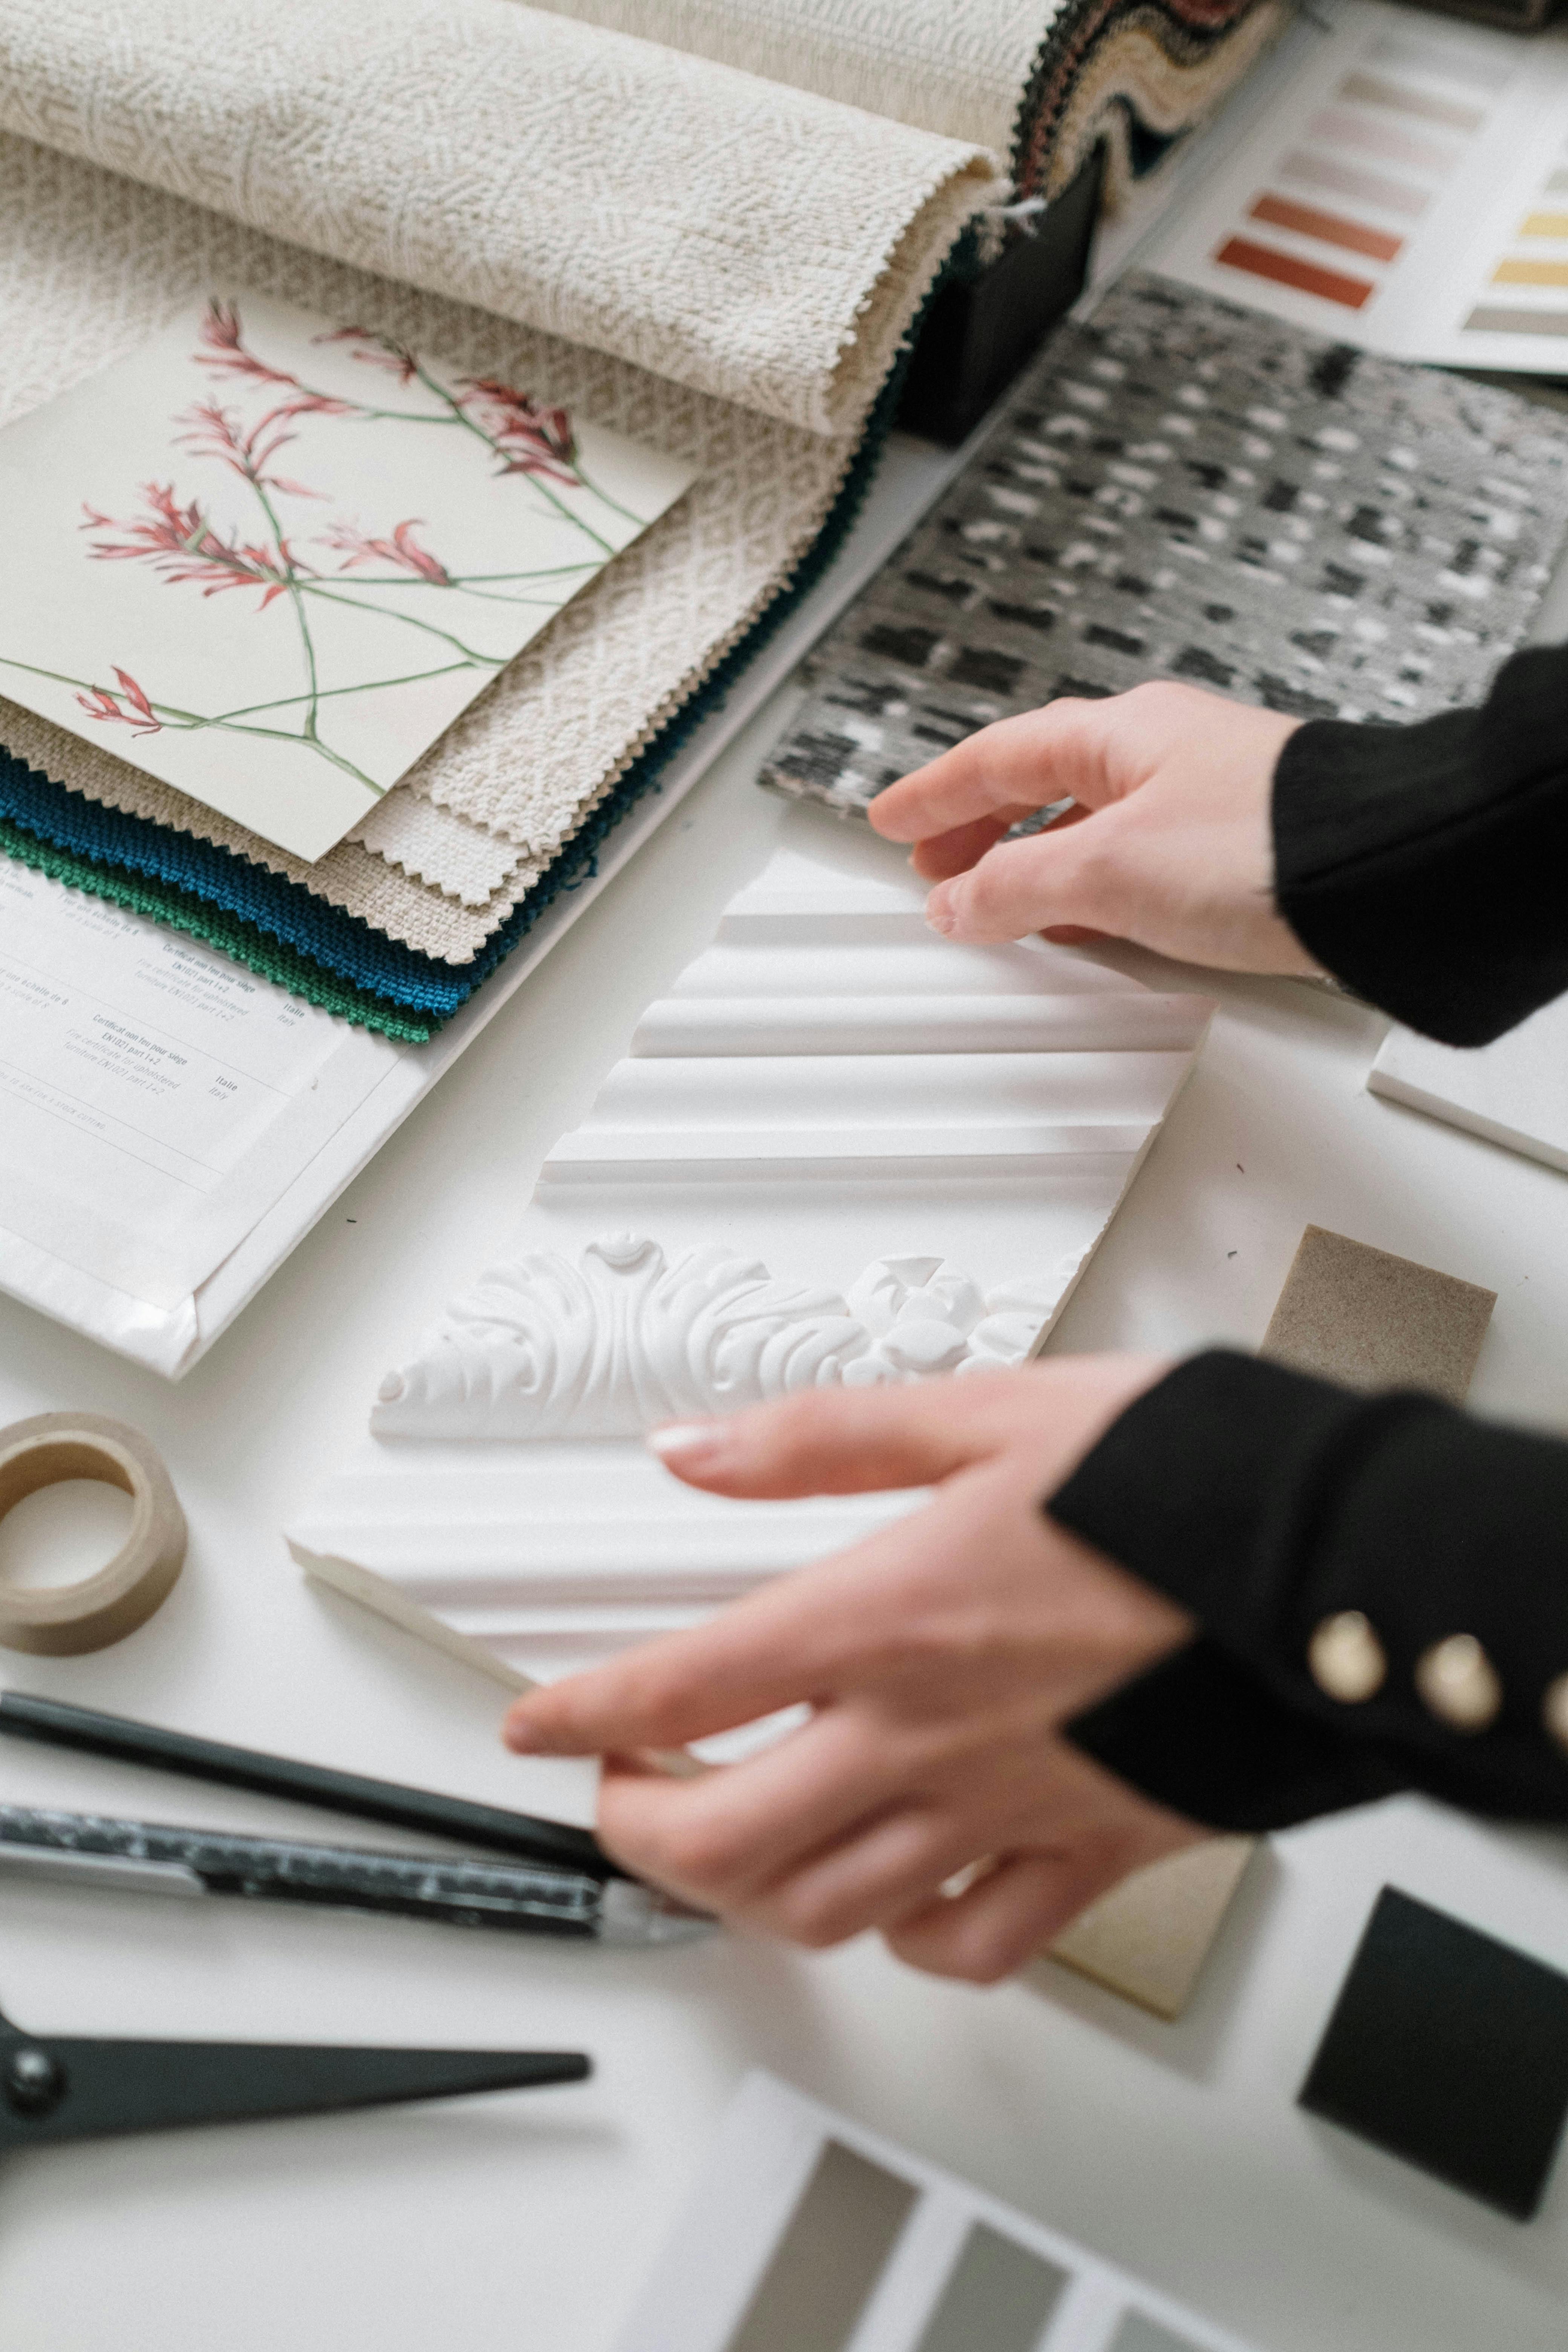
{"x": 527, "y": 2220}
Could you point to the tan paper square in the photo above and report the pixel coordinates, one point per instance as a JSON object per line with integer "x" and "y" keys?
{"x": 1149, "y": 1937}
{"x": 1363, "y": 1316}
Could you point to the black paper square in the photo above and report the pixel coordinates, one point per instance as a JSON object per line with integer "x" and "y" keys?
{"x": 1450, "y": 2050}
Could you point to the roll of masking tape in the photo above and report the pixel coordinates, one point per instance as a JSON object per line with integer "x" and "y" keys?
{"x": 62, "y": 1620}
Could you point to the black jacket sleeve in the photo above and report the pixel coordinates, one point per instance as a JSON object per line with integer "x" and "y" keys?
{"x": 1264, "y": 1502}
{"x": 1425, "y": 865}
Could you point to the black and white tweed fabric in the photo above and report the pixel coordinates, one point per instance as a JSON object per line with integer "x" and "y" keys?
{"x": 1183, "y": 488}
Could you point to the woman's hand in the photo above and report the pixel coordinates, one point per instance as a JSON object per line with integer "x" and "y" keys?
{"x": 1171, "y": 844}
{"x": 940, "y": 1658}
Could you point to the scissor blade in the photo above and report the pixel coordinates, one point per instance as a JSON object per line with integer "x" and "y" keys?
{"x": 100, "y": 2087}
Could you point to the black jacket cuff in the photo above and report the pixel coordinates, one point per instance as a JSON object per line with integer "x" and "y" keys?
{"x": 1263, "y": 1501}
{"x": 1422, "y": 865}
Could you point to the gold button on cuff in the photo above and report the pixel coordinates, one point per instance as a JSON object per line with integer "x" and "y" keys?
{"x": 1458, "y": 1682}
{"x": 1346, "y": 1659}
{"x": 1555, "y": 1710}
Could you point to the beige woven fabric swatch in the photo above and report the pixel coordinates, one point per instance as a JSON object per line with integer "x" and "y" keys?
{"x": 436, "y": 847}
{"x": 91, "y": 263}
{"x": 957, "y": 66}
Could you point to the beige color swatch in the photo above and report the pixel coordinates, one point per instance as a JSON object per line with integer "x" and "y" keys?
{"x": 1149, "y": 1937}
{"x": 1373, "y": 1320}
{"x": 521, "y": 148}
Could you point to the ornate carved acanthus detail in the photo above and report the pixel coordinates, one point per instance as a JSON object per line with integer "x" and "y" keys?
{"x": 624, "y": 1337}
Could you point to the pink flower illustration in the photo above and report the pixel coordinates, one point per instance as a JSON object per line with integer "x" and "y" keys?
{"x": 102, "y": 704}
{"x": 180, "y": 543}
{"x": 400, "y": 548}
{"x": 223, "y": 337}
{"x": 528, "y": 437}
{"x": 226, "y": 352}
{"x": 215, "y": 432}
{"x": 377, "y": 351}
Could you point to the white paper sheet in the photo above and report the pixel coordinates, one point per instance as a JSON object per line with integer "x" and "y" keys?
{"x": 156, "y": 1098}
{"x": 1514, "y": 1092}
{"x": 1404, "y": 188}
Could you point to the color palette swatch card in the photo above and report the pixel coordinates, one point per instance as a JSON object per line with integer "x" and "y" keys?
{"x": 1405, "y": 188}
{"x": 804, "y": 2233}
{"x": 270, "y": 557}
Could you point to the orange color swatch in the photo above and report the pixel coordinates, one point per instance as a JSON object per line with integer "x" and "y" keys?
{"x": 1330, "y": 228}
{"x": 1284, "y": 270}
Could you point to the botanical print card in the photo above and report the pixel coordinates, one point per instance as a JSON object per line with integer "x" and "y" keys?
{"x": 270, "y": 557}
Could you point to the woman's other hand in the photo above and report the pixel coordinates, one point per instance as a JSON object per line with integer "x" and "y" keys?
{"x": 940, "y": 1658}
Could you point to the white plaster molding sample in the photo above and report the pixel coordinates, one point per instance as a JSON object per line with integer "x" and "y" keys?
{"x": 1513, "y": 1092}
{"x": 840, "y": 1151}
{"x": 623, "y": 1339}
{"x": 532, "y": 1561}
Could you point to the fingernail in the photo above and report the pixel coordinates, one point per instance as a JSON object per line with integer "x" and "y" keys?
{"x": 517, "y": 1734}
{"x": 687, "y": 1442}
{"x": 941, "y": 913}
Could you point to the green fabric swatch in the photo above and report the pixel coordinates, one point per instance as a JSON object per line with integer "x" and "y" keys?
{"x": 232, "y": 937}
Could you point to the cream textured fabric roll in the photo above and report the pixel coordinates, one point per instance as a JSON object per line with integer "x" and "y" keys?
{"x": 958, "y": 67}
{"x": 1038, "y": 82}
{"x": 220, "y": 100}
{"x": 732, "y": 234}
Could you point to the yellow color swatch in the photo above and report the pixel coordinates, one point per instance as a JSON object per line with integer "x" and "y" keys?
{"x": 1531, "y": 273}
{"x": 1545, "y": 225}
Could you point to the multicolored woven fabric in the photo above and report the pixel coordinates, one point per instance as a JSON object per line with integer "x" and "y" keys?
{"x": 256, "y": 950}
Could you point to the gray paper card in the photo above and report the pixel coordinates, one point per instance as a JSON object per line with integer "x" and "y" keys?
{"x": 1180, "y": 488}
{"x": 831, "y": 2256}
{"x": 999, "y": 2293}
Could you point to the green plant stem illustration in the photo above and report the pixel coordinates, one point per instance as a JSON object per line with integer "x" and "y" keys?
{"x": 408, "y": 620}
{"x": 151, "y": 717}
{"x": 296, "y": 600}
{"x": 460, "y": 417}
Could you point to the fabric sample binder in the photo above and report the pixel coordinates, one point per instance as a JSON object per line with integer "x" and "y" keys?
{"x": 671, "y": 317}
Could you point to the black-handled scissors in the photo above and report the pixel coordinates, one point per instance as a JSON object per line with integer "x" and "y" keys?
{"x": 59, "y": 2087}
